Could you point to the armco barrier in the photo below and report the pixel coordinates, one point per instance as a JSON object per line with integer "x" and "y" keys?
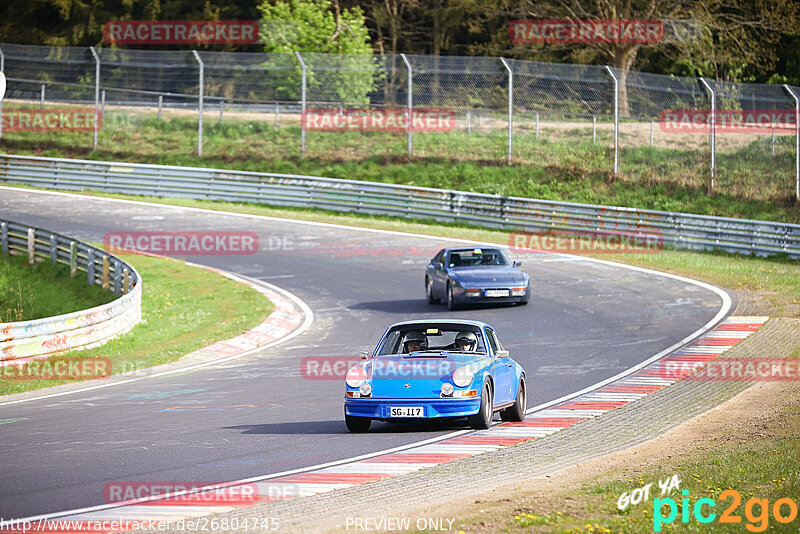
{"x": 25, "y": 340}
{"x": 677, "y": 229}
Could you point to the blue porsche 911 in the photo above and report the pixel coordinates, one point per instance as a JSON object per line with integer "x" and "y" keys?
{"x": 435, "y": 369}
{"x": 475, "y": 275}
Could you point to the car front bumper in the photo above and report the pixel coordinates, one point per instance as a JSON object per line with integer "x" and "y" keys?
{"x": 436, "y": 408}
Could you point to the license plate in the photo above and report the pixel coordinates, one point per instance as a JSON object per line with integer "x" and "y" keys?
{"x": 406, "y": 411}
{"x": 497, "y": 292}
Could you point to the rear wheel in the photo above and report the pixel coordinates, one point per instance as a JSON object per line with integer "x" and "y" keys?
{"x": 516, "y": 412}
{"x": 483, "y": 419}
{"x": 451, "y": 301}
{"x": 357, "y": 424}
{"x": 429, "y": 292}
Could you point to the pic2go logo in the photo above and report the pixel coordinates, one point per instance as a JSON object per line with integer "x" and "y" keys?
{"x": 783, "y": 511}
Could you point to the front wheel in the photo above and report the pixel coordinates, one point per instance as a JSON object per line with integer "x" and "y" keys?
{"x": 483, "y": 419}
{"x": 451, "y": 301}
{"x": 357, "y": 424}
{"x": 516, "y": 412}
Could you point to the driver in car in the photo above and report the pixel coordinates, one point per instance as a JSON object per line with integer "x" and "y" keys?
{"x": 466, "y": 341}
{"x": 415, "y": 341}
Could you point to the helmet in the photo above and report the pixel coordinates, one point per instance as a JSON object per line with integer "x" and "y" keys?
{"x": 466, "y": 337}
{"x": 417, "y": 337}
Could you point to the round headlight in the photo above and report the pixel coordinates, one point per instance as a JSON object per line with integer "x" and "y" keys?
{"x": 447, "y": 389}
{"x": 356, "y": 376}
{"x": 463, "y": 376}
{"x": 365, "y": 389}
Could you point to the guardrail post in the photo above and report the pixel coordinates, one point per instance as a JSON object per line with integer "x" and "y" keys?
{"x": 796, "y": 139}
{"x": 4, "y": 238}
{"x": 31, "y": 246}
{"x": 73, "y": 258}
{"x": 199, "y": 104}
{"x": 105, "y": 271}
{"x": 3, "y": 70}
{"x": 303, "y": 83}
{"x": 713, "y": 132}
{"x": 96, "y": 95}
{"x": 221, "y": 105}
{"x": 41, "y": 98}
{"x": 160, "y": 104}
{"x": 277, "y": 116}
{"x": 117, "y": 277}
{"x": 510, "y": 108}
{"x": 616, "y": 117}
{"x": 410, "y": 104}
{"x": 53, "y": 249}
{"x": 126, "y": 274}
{"x": 90, "y": 267}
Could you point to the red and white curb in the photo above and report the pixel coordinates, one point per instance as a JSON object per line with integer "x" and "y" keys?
{"x": 611, "y": 396}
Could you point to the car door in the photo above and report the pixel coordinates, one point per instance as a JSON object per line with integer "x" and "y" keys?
{"x": 502, "y": 371}
{"x": 440, "y": 275}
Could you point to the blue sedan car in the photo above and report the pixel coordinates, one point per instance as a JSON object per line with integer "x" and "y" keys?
{"x": 435, "y": 369}
{"x": 475, "y": 275}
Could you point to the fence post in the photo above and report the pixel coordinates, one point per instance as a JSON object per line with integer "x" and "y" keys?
{"x": 103, "y": 104}
{"x": 96, "y": 95}
{"x": 302, "y": 104}
{"x": 31, "y": 246}
{"x": 199, "y": 104}
{"x": 510, "y": 108}
{"x": 616, "y": 117}
{"x": 73, "y": 258}
{"x": 4, "y": 238}
{"x": 3, "y": 70}
{"x": 713, "y": 133}
{"x": 41, "y": 97}
{"x": 90, "y": 267}
{"x": 221, "y": 105}
{"x": 160, "y": 103}
{"x": 410, "y": 104}
{"x": 594, "y": 129}
{"x": 796, "y": 139}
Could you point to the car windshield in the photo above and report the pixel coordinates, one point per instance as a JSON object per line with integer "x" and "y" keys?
{"x": 478, "y": 257}
{"x": 425, "y": 339}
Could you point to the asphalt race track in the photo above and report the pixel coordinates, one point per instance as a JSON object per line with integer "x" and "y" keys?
{"x": 587, "y": 321}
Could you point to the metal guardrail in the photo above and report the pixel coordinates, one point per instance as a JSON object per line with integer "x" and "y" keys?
{"x": 680, "y": 230}
{"x": 23, "y": 340}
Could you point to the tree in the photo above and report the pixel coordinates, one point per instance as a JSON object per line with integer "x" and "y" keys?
{"x": 322, "y": 27}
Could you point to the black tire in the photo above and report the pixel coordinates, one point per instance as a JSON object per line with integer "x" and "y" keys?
{"x": 451, "y": 303}
{"x": 516, "y": 412}
{"x": 483, "y": 419}
{"x": 429, "y": 292}
{"x": 357, "y": 424}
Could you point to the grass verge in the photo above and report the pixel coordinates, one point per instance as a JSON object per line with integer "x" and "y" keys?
{"x": 564, "y": 164}
{"x": 26, "y": 291}
{"x": 184, "y": 308}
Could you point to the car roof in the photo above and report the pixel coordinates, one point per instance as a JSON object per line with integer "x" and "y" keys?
{"x": 451, "y": 249}
{"x": 449, "y": 321}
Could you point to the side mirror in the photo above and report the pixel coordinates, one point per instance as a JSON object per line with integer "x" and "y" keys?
{"x": 516, "y": 263}
{"x": 502, "y": 354}
{"x": 437, "y": 265}
{"x": 364, "y": 354}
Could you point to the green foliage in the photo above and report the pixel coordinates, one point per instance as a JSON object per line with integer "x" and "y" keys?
{"x": 311, "y": 26}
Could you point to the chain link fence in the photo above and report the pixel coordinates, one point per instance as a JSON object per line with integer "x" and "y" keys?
{"x": 731, "y": 137}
